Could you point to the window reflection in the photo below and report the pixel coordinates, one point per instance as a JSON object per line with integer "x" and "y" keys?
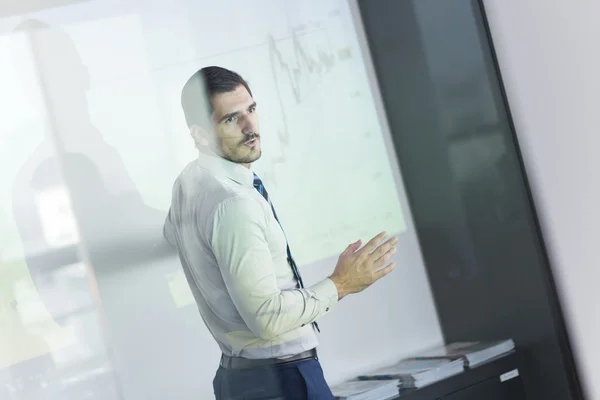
{"x": 56, "y": 217}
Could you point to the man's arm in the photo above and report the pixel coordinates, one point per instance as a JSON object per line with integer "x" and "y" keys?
{"x": 240, "y": 246}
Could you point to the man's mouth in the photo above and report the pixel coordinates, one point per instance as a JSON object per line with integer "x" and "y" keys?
{"x": 251, "y": 143}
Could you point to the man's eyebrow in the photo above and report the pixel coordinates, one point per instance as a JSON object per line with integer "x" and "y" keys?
{"x": 235, "y": 113}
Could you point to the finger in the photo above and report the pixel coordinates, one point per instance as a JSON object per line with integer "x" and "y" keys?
{"x": 372, "y": 244}
{"x": 384, "y": 258}
{"x": 383, "y": 249}
{"x": 352, "y": 247}
{"x": 384, "y": 271}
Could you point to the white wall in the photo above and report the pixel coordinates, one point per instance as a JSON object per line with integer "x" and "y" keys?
{"x": 550, "y": 61}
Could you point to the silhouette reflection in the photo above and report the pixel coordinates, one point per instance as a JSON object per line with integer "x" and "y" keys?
{"x": 83, "y": 224}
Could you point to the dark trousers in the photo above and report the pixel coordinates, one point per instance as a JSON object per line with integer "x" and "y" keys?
{"x": 300, "y": 380}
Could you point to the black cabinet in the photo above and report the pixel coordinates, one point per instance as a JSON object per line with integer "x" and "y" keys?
{"x": 491, "y": 389}
{"x": 498, "y": 379}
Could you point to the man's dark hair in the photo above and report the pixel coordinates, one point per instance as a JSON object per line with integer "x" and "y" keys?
{"x": 199, "y": 90}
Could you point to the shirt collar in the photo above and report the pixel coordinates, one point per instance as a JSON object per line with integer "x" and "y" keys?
{"x": 220, "y": 166}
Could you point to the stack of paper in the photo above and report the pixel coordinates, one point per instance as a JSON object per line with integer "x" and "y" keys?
{"x": 417, "y": 373}
{"x": 367, "y": 390}
{"x": 474, "y": 353}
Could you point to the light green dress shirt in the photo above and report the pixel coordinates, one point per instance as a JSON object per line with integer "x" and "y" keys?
{"x": 233, "y": 252}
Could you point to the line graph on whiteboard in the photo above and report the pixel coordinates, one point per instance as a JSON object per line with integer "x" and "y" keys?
{"x": 299, "y": 65}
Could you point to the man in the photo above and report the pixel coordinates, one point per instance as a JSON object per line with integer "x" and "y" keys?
{"x": 236, "y": 257}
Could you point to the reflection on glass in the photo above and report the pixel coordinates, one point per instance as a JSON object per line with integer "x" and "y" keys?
{"x": 56, "y": 217}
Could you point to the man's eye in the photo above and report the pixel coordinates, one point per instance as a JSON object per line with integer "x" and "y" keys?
{"x": 252, "y": 109}
{"x": 230, "y": 119}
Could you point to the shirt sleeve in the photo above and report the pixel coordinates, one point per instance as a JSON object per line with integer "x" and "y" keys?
{"x": 239, "y": 242}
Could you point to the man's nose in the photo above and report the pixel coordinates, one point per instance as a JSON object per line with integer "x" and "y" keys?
{"x": 247, "y": 124}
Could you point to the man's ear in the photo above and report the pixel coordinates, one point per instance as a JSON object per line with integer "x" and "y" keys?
{"x": 200, "y": 136}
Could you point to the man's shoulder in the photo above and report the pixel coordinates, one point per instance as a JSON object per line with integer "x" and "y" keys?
{"x": 206, "y": 189}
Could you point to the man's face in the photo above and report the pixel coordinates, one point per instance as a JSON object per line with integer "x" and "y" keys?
{"x": 235, "y": 125}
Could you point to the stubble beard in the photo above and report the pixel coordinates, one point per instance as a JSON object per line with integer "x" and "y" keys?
{"x": 254, "y": 155}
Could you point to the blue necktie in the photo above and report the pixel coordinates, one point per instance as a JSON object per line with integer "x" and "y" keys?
{"x": 260, "y": 187}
